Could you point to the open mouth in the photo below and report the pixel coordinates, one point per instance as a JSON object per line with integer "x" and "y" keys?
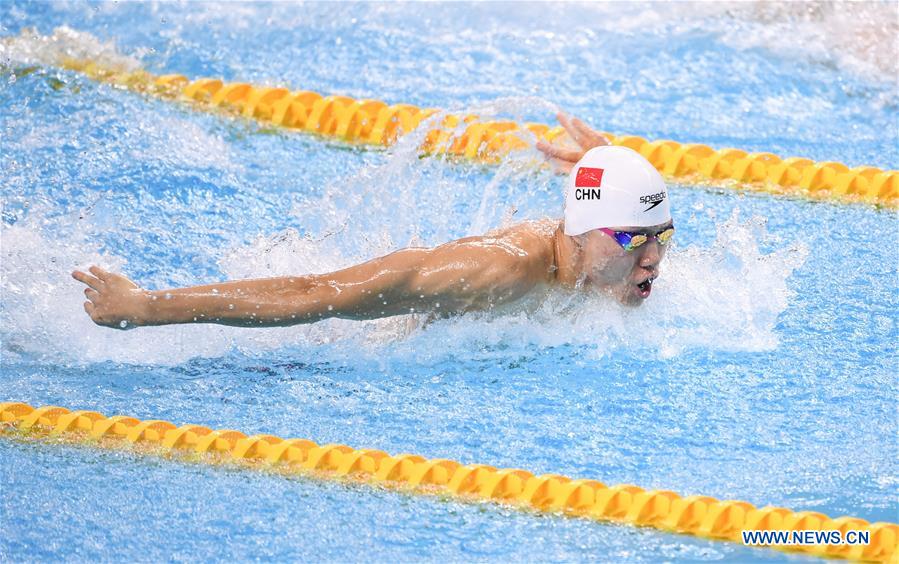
{"x": 645, "y": 288}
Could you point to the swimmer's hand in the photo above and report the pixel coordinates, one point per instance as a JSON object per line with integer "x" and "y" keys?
{"x": 473, "y": 273}
{"x": 113, "y": 300}
{"x": 564, "y": 158}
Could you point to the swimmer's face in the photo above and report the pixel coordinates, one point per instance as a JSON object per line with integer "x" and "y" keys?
{"x": 626, "y": 275}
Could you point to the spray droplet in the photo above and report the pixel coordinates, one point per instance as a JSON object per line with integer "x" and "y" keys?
{"x": 123, "y": 324}
{"x": 230, "y": 306}
{"x": 330, "y": 308}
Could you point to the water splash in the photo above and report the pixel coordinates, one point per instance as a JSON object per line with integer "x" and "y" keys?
{"x": 737, "y": 310}
{"x": 397, "y": 201}
{"x": 32, "y": 48}
{"x": 725, "y": 297}
{"x": 858, "y": 38}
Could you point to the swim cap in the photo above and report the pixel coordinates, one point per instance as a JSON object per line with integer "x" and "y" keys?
{"x": 613, "y": 186}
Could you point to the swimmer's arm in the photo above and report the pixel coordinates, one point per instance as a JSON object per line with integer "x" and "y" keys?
{"x": 458, "y": 276}
{"x": 563, "y": 157}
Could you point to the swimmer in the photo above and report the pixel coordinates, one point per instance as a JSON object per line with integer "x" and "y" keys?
{"x": 616, "y": 226}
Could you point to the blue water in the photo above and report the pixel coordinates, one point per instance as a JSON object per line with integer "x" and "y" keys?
{"x": 763, "y": 367}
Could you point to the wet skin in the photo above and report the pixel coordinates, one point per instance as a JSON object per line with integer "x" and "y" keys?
{"x": 601, "y": 263}
{"x": 474, "y": 273}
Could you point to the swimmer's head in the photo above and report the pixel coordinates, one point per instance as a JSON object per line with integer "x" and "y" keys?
{"x": 618, "y": 216}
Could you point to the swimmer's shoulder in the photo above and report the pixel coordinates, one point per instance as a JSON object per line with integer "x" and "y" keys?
{"x": 534, "y": 240}
{"x": 535, "y": 234}
{"x": 546, "y": 226}
{"x": 530, "y": 240}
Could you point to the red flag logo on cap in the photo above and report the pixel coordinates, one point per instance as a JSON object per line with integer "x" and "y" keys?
{"x": 588, "y": 177}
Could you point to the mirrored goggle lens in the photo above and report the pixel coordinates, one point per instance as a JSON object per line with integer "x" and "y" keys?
{"x": 635, "y": 241}
{"x": 665, "y": 236}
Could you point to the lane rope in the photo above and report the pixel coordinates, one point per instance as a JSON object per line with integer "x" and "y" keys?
{"x": 375, "y": 122}
{"x": 697, "y": 515}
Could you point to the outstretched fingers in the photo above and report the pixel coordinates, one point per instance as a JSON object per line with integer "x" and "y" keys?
{"x": 568, "y": 124}
{"x": 584, "y": 135}
{"x": 99, "y": 272}
{"x": 84, "y": 278}
{"x": 552, "y": 151}
{"x": 588, "y": 138}
{"x": 564, "y": 159}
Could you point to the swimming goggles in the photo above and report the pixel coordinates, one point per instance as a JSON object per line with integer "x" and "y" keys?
{"x": 630, "y": 240}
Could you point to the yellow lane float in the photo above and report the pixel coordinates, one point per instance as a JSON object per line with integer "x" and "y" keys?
{"x": 697, "y": 515}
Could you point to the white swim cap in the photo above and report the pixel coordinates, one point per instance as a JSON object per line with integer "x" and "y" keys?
{"x": 613, "y": 186}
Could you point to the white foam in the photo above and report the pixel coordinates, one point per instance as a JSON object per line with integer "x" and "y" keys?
{"x": 726, "y": 296}
{"x": 42, "y": 312}
{"x": 400, "y": 202}
{"x": 856, "y": 37}
{"x": 31, "y": 48}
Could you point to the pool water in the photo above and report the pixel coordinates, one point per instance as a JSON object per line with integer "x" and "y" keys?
{"x": 763, "y": 368}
